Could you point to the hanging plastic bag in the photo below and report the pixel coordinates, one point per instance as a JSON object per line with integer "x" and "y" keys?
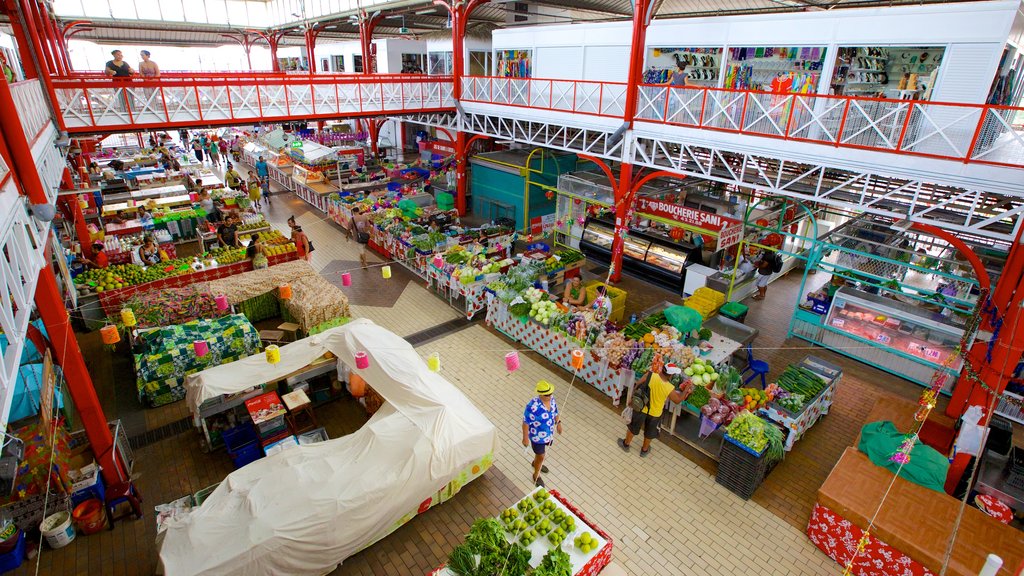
{"x": 971, "y": 434}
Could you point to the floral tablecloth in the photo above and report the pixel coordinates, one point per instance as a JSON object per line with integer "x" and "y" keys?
{"x": 799, "y": 424}
{"x": 838, "y": 537}
{"x": 557, "y": 347}
{"x": 473, "y": 294}
{"x": 166, "y": 355}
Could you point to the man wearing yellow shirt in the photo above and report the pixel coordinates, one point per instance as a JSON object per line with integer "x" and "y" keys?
{"x": 649, "y": 419}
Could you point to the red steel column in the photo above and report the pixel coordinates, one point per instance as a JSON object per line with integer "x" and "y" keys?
{"x": 17, "y": 146}
{"x": 10, "y": 8}
{"x": 310, "y": 49}
{"x": 28, "y": 11}
{"x": 461, "y": 171}
{"x": 367, "y": 24}
{"x": 623, "y": 198}
{"x": 58, "y": 327}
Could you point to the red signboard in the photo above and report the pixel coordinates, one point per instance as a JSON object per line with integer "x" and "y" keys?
{"x": 683, "y": 214}
{"x": 442, "y": 147}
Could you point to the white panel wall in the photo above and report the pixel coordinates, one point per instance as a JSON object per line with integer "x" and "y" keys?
{"x": 967, "y": 72}
{"x": 558, "y": 62}
{"x": 606, "y": 63}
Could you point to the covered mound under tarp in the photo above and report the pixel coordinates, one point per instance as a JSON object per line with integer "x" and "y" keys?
{"x": 165, "y": 356}
{"x": 306, "y": 509}
{"x": 314, "y": 300}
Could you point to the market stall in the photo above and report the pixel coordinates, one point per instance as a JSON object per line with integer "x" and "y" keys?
{"x": 113, "y": 285}
{"x": 308, "y": 508}
{"x": 314, "y": 303}
{"x": 898, "y": 300}
{"x": 165, "y": 356}
{"x": 541, "y": 529}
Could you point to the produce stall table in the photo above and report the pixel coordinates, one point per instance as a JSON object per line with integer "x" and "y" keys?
{"x": 799, "y": 423}
{"x": 314, "y": 193}
{"x": 473, "y": 295}
{"x": 160, "y": 202}
{"x": 557, "y": 347}
{"x": 583, "y": 563}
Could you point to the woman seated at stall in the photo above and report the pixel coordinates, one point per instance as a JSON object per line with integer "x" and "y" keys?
{"x": 574, "y": 294}
{"x": 149, "y": 253}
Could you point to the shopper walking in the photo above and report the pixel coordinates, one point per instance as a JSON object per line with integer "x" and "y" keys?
{"x": 214, "y": 152}
{"x": 232, "y": 178}
{"x": 651, "y": 392}
{"x": 540, "y": 420}
{"x": 197, "y": 149}
{"x": 766, "y": 266}
{"x": 222, "y": 144}
{"x": 254, "y": 190}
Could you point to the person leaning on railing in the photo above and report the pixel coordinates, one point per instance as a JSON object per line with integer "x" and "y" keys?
{"x": 117, "y": 67}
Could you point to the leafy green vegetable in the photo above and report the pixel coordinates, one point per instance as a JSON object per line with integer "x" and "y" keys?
{"x": 555, "y": 563}
{"x": 461, "y": 561}
{"x": 699, "y": 397}
{"x": 485, "y": 534}
{"x": 748, "y": 429}
{"x": 776, "y": 443}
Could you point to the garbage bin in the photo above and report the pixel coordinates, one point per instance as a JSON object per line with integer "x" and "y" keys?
{"x": 734, "y": 310}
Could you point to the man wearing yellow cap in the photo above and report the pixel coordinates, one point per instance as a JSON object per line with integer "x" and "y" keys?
{"x": 540, "y": 420}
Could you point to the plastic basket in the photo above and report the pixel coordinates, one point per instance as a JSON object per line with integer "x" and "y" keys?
{"x": 734, "y": 310}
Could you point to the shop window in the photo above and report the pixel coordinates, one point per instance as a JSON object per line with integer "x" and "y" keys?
{"x": 897, "y": 72}
{"x": 479, "y": 63}
{"x": 439, "y": 63}
{"x": 325, "y": 65}
{"x": 357, "y": 63}
{"x": 339, "y": 63}
{"x": 703, "y": 66}
{"x": 775, "y": 69}
{"x": 413, "y": 63}
{"x": 514, "y": 63}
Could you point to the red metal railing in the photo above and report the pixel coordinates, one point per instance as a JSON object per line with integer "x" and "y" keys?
{"x": 970, "y": 133}
{"x": 91, "y": 101}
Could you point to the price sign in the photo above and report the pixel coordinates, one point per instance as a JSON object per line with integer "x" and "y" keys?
{"x": 838, "y": 322}
{"x": 932, "y": 354}
{"x": 730, "y": 235}
{"x": 883, "y": 338}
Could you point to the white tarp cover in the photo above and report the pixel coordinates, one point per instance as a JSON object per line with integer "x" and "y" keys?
{"x": 305, "y": 509}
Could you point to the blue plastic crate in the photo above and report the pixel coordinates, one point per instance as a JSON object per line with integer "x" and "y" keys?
{"x": 745, "y": 448}
{"x": 247, "y": 454}
{"x": 541, "y": 246}
{"x": 15, "y": 557}
{"x": 239, "y": 437}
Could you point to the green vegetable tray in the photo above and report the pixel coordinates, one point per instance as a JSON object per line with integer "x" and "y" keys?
{"x": 589, "y": 563}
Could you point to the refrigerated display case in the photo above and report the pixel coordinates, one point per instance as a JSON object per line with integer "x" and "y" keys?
{"x": 902, "y": 338}
{"x": 654, "y": 259}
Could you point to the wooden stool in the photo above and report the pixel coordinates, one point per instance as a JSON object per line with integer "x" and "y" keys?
{"x": 300, "y": 411}
{"x": 271, "y": 337}
{"x": 291, "y": 330}
{"x": 122, "y": 493}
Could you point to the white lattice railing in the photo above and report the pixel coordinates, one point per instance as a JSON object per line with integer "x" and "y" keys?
{"x": 970, "y": 133}
{"x": 34, "y": 111}
{"x": 22, "y": 242}
{"x": 89, "y": 102}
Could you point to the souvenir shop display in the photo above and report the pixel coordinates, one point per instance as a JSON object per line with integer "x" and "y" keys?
{"x": 775, "y": 69}
{"x": 702, "y": 65}
{"x": 514, "y": 64}
{"x": 896, "y": 72}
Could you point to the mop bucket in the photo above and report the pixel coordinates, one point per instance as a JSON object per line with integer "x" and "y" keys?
{"x": 57, "y": 530}
{"x": 90, "y": 516}
{"x": 707, "y": 427}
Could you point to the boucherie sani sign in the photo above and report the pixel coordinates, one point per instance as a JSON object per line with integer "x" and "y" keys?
{"x": 682, "y": 214}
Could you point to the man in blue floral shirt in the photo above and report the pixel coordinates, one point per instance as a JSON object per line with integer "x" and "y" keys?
{"x": 540, "y": 421}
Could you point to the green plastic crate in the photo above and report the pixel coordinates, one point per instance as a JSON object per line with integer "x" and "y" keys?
{"x": 735, "y": 310}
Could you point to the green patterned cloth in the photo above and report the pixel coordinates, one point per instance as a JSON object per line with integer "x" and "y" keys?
{"x": 166, "y": 355}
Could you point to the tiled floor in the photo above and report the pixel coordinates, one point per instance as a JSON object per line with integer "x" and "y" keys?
{"x": 666, "y": 513}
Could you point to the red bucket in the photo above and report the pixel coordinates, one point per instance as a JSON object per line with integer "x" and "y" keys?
{"x": 90, "y": 516}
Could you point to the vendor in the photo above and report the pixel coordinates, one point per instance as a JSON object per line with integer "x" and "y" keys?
{"x": 116, "y": 165}
{"x": 117, "y": 218}
{"x": 574, "y": 294}
{"x": 696, "y": 254}
{"x": 145, "y": 218}
{"x": 833, "y": 286}
{"x": 149, "y": 253}
{"x": 227, "y": 233}
{"x": 99, "y": 257}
